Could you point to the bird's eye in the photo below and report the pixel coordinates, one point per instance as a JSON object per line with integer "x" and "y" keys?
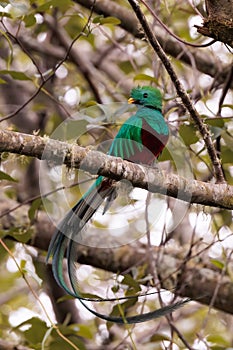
{"x": 145, "y": 95}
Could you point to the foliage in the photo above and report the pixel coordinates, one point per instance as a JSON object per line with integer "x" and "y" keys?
{"x": 65, "y": 68}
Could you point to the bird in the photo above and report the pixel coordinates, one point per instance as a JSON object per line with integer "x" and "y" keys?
{"x": 140, "y": 139}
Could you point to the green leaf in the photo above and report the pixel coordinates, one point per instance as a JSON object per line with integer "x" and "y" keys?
{"x": 23, "y": 264}
{"x": 219, "y": 264}
{"x": 159, "y": 337}
{"x": 106, "y": 20}
{"x": 21, "y": 234}
{"x": 5, "y": 176}
{"x": 145, "y": 77}
{"x": 218, "y": 122}
{"x": 44, "y": 7}
{"x": 61, "y": 4}
{"x": 97, "y": 19}
{"x": 218, "y": 339}
{"x": 2, "y": 81}
{"x": 15, "y": 74}
{"x": 226, "y": 155}
{"x": 64, "y": 298}
{"x": 165, "y": 155}
{"x": 29, "y": 20}
{"x": 55, "y": 342}
{"x": 35, "y": 334}
{"x": 81, "y": 330}
{"x": 227, "y": 106}
{"x": 129, "y": 281}
{"x": 188, "y": 134}
{"x": 89, "y": 103}
{"x": 33, "y": 208}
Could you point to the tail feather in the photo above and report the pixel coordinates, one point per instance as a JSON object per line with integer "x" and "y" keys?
{"x": 66, "y": 238}
{"x": 120, "y": 320}
{"x": 69, "y": 231}
{"x": 164, "y": 311}
{"x": 85, "y": 209}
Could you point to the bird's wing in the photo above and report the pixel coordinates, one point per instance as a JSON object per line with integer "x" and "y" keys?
{"x": 128, "y": 140}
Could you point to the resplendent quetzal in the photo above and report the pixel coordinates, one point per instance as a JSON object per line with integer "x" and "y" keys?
{"x": 140, "y": 139}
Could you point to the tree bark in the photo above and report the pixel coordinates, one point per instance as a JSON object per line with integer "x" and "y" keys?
{"x": 151, "y": 179}
{"x": 219, "y": 22}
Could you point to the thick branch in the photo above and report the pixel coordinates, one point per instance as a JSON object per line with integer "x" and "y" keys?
{"x": 192, "y": 191}
{"x": 190, "y": 277}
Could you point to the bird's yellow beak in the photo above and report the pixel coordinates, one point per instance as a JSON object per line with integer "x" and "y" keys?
{"x": 131, "y": 100}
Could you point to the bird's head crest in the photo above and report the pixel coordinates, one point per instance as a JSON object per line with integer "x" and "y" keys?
{"x": 147, "y": 96}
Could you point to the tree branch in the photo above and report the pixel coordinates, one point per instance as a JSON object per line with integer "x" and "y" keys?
{"x": 151, "y": 179}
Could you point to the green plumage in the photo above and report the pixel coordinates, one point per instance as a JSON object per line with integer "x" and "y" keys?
{"x": 140, "y": 139}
